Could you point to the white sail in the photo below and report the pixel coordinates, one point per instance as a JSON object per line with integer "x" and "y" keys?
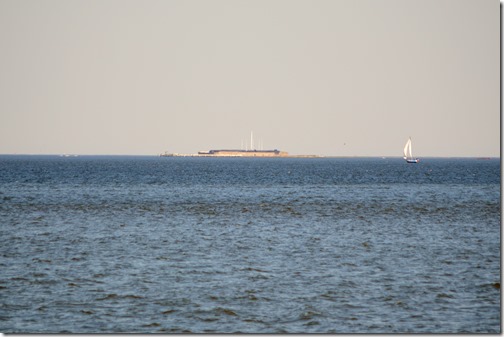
{"x": 407, "y": 150}
{"x": 408, "y": 155}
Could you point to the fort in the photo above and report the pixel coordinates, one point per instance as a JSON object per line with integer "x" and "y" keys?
{"x": 248, "y": 152}
{"x": 243, "y": 153}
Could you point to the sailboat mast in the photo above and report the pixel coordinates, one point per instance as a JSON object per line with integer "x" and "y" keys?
{"x": 410, "y": 152}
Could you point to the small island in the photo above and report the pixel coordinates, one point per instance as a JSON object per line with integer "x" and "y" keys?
{"x": 247, "y": 152}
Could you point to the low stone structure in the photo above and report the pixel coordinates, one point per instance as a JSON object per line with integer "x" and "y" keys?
{"x": 243, "y": 153}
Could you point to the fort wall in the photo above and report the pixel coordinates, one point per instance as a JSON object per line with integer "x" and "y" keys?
{"x": 243, "y": 153}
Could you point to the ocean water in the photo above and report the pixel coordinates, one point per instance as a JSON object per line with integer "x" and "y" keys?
{"x": 330, "y": 245}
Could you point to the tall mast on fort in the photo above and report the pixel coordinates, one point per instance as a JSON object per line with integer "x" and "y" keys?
{"x": 251, "y": 140}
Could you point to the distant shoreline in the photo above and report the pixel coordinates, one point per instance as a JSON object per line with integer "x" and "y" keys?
{"x": 203, "y": 156}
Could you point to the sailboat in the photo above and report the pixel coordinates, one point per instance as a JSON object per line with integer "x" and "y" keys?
{"x": 407, "y": 153}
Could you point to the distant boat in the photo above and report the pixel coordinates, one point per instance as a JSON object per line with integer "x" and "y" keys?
{"x": 407, "y": 153}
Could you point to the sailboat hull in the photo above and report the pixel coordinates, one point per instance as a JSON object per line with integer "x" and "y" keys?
{"x": 412, "y": 161}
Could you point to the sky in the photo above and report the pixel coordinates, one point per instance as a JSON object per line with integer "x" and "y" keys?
{"x": 324, "y": 77}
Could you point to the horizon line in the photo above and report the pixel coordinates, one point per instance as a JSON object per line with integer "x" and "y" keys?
{"x": 195, "y": 155}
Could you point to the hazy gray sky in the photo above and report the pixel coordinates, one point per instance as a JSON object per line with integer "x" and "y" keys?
{"x": 335, "y": 77}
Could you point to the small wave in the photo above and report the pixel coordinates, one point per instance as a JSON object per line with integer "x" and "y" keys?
{"x": 135, "y": 297}
{"x": 107, "y": 297}
{"x": 307, "y": 315}
{"x": 214, "y": 314}
{"x": 495, "y": 285}
{"x": 170, "y": 311}
{"x": 225, "y": 311}
{"x": 22, "y": 279}
{"x": 443, "y": 295}
{"x": 255, "y": 269}
{"x": 115, "y": 296}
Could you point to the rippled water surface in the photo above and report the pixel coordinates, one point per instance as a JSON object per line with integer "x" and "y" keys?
{"x": 144, "y": 244}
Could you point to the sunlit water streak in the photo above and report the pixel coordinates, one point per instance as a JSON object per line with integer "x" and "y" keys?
{"x": 140, "y": 244}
